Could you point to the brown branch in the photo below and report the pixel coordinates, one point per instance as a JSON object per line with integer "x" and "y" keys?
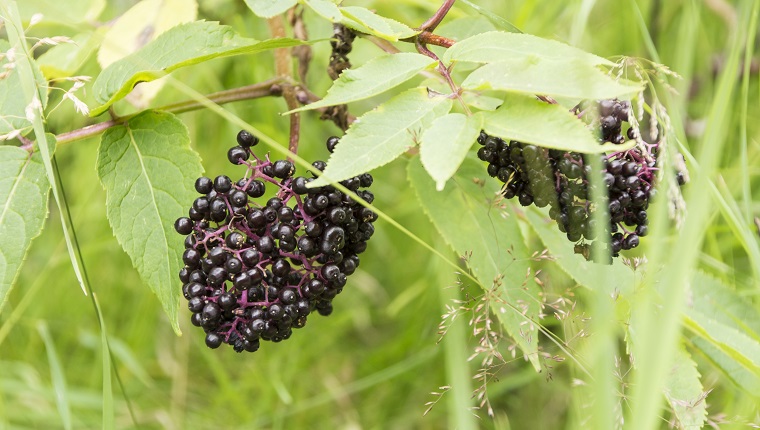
{"x": 436, "y": 19}
{"x": 272, "y": 87}
{"x": 284, "y": 70}
{"x": 302, "y": 53}
{"x": 429, "y": 38}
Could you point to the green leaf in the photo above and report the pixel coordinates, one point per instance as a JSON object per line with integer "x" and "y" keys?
{"x": 491, "y": 242}
{"x": 375, "y": 77}
{"x": 138, "y": 26}
{"x": 270, "y": 8}
{"x": 66, "y": 12}
{"x": 383, "y": 134}
{"x": 737, "y": 345}
{"x": 66, "y": 59}
{"x": 445, "y": 144}
{"x": 684, "y": 392}
{"x": 569, "y": 78}
{"x": 365, "y": 21}
{"x": 715, "y": 300}
{"x": 529, "y": 120}
{"x": 465, "y": 27}
{"x": 24, "y": 192}
{"x": 141, "y": 24}
{"x": 494, "y": 18}
{"x": 481, "y": 102}
{"x": 362, "y": 20}
{"x": 585, "y": 273}
{"x": 497, "y": 46}
{"x": 326, "y": 9}
{"x": 13, "y": 103}
{"x": 148, "y": 171}
{"x": 735, "y": 371}
{"x": 728, "y": 330}
{"x": 183, "y": 45}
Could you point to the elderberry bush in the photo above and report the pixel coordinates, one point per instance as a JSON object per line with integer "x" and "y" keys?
{"x": 256, "y": 268}
{"x": 560, "y": 180}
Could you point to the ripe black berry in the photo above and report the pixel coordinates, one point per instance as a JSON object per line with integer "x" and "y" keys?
{"x": 255, "y": 270}
{"x": 561, "y": 181}
{"x": 246, "y": 139}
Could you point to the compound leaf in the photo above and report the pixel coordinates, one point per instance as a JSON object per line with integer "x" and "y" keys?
{"x": 568, "y": 77}
{"x": 148, "y": 169}
{"x": 24, "y": 189}
{"x": 528, "y": 120}
{"x": 496, "y": 46}
{"x": 375, "y": 77}
{"x": 383, "y": 134}
{"x": 684, "y": 392}
{"x": 270, "y": 8}
{"x": 183, "y": 45}
{"x": 490, "y": 242}
{"x": 445, "y": 144}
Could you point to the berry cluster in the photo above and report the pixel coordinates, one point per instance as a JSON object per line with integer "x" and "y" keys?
{"x": 560, "y": 180}
{"x": 255, "y": 270}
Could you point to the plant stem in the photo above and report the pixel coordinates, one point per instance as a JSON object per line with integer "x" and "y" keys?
{"x": 272, "y": 87}
{"x": 429, "y": 38}
{"x": 436, "y": 19}
{"x": 284, "y": 70}
{"x": 446, "y": 73}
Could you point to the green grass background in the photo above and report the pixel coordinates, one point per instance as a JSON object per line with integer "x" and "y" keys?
{"x": 374, "y": 363}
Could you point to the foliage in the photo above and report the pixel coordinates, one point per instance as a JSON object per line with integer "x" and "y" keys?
{"x": 670, "y": 330}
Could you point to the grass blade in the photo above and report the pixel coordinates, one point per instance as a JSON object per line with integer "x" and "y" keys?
{"x": 57, "y": 375}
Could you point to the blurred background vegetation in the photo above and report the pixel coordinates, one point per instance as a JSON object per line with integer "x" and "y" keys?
{"x": 376, "y": 361}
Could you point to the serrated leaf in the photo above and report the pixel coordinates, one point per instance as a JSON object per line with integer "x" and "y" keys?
{"x": 148, "y": 170}
{"x": 445, "y": 143}
{"x": 326, "y": 9}
{"x": 529, "y": 120}
{"x": 375, "y": 77}
{"x": 383, "y": 134}
{"x": 588, "y": 274}
{"x": 24, "y": 189}
{"x": 13, "y": 103}
{"x": 502, "y": 46}
{"x": 270, "y": 8}
{"x": 571, "y": 78}
{"x": 183, "y": 45}
{"x": 464, "y": 217}
{"x": 712, "y": 298}
{"x": 728, "y": 330}
{"x": 364, "y": 20}
{"x": 66, "y": 59}
{"x": 66, "y": 12}
{"x": 738, "y": 374}
{"x": 734, "y": 343}
{"x": 684, "y": 392}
